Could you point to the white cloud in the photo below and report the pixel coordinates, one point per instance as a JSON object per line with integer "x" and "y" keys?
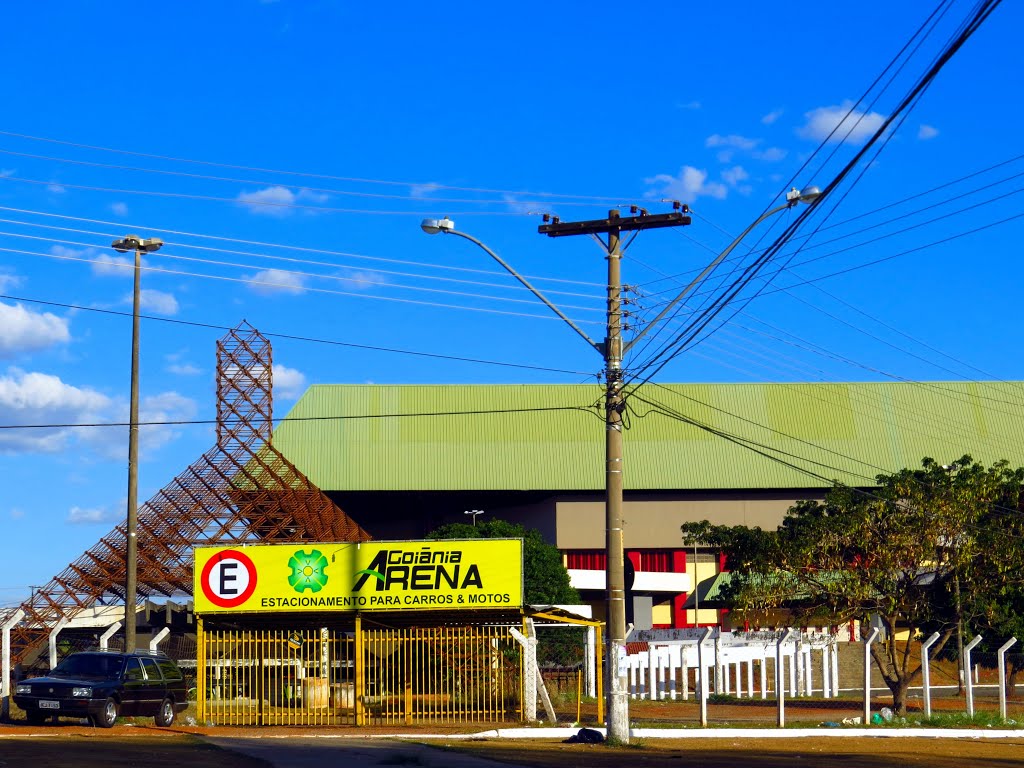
{"x": 277, "y": 201}
{"x": 17, "y": 513}
{"x": 5, "y": 172}
{"x": 55, "y": 188}
{"x": 95, "y": 515}
{"x": 269, "y": 201}
{"x": 842, "y": 119}
{"x": 119, "y": 209}
{"x": 104, "y": 264}
{"x": 513, "y": 203}
{"x": 770, "y": 154}
{"x": 7, "y": 280}
{"x": 363, "y": 279}
{"x": 689, "y": 105}
{"x": 690, "y": 184}
{"x": 733, "y": 176}
{"x": 156, "y": 301}
{"x": 112, "y": 442}
{"x": 732, "y": 140}
{"x": 288, "y": 382}
{"x": 423, "y": 190}
{"x": 926, "y": 132}
{"x": 23, "y": 330}
{"x": 40, "y": 398}
{"x": 725, "y": 155}
{"x": 772, "y": 116}
{"x": 184, "y": 369}
{"x": 270, "y": 281}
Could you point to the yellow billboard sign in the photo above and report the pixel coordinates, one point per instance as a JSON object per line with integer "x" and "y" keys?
{"x": 456, "y": 574}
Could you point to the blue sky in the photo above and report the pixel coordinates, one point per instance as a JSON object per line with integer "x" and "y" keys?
{"x": 367, "y": 119}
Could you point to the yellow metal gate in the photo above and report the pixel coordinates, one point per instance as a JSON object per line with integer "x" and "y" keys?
{"x": 380, "y": 676}
{"x": 276, "y": 677}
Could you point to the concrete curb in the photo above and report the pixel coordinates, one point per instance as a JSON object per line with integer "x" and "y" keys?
{"x": 736, "y": 733}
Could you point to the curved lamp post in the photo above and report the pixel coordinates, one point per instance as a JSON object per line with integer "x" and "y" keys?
{"x": 612, "y": 352}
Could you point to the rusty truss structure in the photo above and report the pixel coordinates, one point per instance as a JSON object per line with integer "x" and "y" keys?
{"x": 241, "y": 490}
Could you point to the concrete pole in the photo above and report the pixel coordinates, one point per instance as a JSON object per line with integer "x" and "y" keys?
{"x": 618, "y": 695}
{"x": 591, "y": 662}
{"x": 131, "y": 549}
{"x": 109, "y": 633}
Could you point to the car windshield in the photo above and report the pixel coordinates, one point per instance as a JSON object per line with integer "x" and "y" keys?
{"x": 88, "y": 665}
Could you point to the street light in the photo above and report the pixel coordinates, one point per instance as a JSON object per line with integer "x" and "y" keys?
{"x": 474, "y": 513}
{"x": 612, "y": 351}
{"x": 140, "y": 246}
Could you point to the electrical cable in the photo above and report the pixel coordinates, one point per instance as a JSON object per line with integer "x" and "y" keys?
{"x": 352, "y": 179}
{"x": 293, "y": 337}
{"x": 298, "y": 289}
{"x": 302, "y": 249}
{"x": 362, "y": 280}
{"x": 289, "y": 419}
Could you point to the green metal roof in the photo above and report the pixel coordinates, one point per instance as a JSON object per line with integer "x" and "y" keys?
{"x": 484, "y": 437}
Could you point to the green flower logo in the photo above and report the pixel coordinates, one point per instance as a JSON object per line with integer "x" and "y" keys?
{"x": 308, "y": 571}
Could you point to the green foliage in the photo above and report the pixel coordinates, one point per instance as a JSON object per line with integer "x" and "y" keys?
{"x": 898, "y": 552}
{"x": 546, "y": 582}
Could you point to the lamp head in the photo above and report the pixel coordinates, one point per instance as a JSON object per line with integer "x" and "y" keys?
{"x": 809, "y": 194}
{"x": 433, "y": 226}
{"x": 126, "y": 243}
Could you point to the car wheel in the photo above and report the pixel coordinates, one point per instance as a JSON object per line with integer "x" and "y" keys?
{"x": 108, "y": 716}
{"x": 165, "y": 716}
{"x": 36, "y": 718}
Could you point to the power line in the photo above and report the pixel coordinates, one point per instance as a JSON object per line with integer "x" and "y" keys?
{"x": 288, "y": 419}
{"x": 258, "y": 243}
{"x": 300, "y": 273}
{"x": 352, "y": 179}
{"x": 273, "y": 257}
{"x": 258, "y": 203}
{"x": 305, "y": 188}
{"x": 297, "y": 289}
{"x": 293, "y": 337}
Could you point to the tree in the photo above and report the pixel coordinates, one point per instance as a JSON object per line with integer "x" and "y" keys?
{"x": 545, "y": 582}
{"x": 895, "y": 552}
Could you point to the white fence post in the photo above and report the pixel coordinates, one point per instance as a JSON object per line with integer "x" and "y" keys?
{"x": 867, "y": 673}
{"x": 159, "y": 636}
{"x": 5, "y": 664}
{"x": 591, "y": 662}
{"x": 968, "y": 676}
{"x": 926, "y": 673}
{"x": 63, "y": 622}
{"x": 1002, "y": 675}
{"x": 702, "y": 677}
{"x": 780, "y": 675}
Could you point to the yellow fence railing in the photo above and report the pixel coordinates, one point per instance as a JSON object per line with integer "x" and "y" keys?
{"x": 376, "y": 676}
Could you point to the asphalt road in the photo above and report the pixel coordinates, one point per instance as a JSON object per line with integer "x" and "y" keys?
{"x": 317, "y": 752}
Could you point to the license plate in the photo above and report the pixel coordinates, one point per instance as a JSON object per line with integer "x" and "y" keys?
{"x": 49, "y": 705}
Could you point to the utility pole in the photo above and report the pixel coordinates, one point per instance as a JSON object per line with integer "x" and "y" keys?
{"x": 125, "y": 244}
{"x": 612, "y": 351}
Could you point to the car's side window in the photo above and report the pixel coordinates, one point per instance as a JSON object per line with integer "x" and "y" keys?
{"x": 132, "y": 671}
{"x": 152, "y": 670}
{"x": 170, "y": 669}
